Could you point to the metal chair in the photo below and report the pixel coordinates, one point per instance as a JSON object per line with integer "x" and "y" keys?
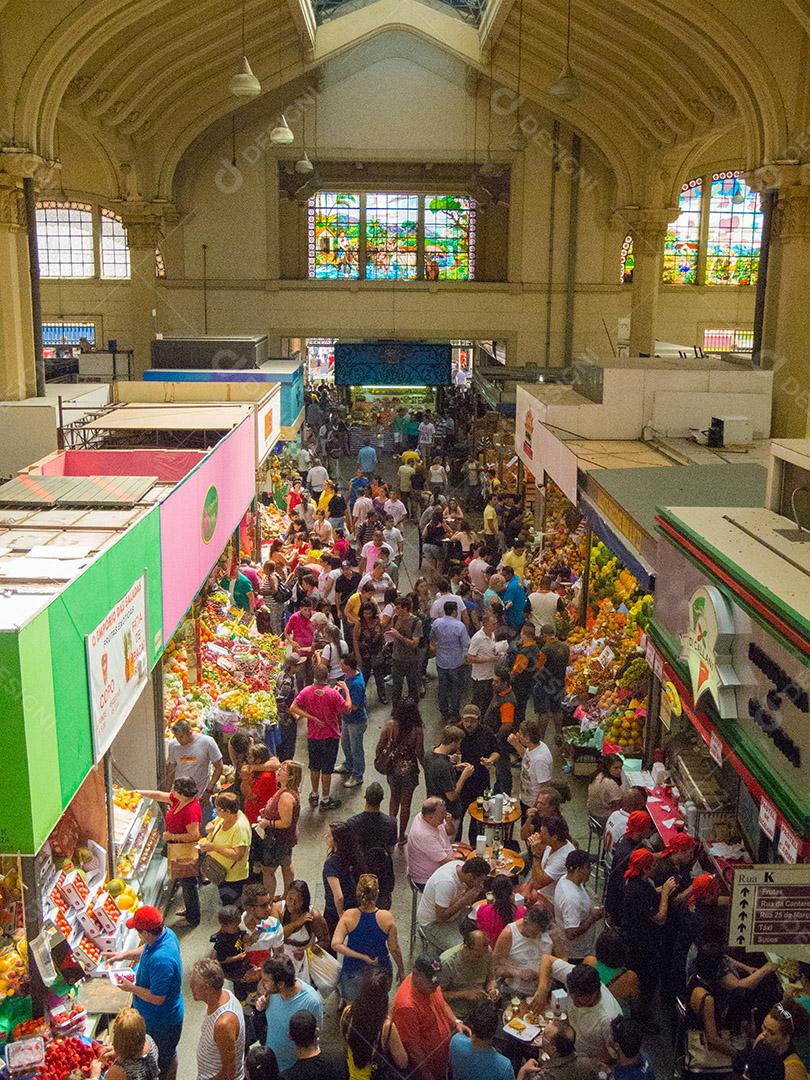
{"x": 597, "y": 829}
{"x": 415, "y": 894}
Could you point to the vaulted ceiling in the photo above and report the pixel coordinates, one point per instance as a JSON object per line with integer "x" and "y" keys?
{"x": 150, "y": 76}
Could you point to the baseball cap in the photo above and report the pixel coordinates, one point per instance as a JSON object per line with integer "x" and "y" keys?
{"x": 680, "y": 842}
{"x": 146, "y": 918}
{"x": 640, "y": 862}
{"x": 431, "y": 969}
{"x": 638, "y": 823}
{"x": 705, "y": 887}
{"x": 346, "y": 565}
{"x": 470, "y": 710}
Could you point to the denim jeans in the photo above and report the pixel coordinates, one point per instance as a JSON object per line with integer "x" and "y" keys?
{"x": 191, "y": 900}
{"x": 288, "y": 735}
{"x": 351, "y": 739}
{"x": 402, "y": 670}
{"x": 451, "y": 684}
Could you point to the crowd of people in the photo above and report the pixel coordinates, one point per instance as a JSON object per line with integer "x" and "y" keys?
{"x": 600, "y": 969}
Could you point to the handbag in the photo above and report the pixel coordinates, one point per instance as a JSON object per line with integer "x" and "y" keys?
{"x": 324, "y": 971}
{"x": 384, "y": 758}
{"x": 212, "y": 869}
{"x": 184, "y": 861}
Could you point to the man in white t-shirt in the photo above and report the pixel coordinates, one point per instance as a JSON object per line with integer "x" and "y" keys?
{"x": 427, "y": 431}
{"x": 303, "y": 460}
{"x": 444, "y": 596}
{"x": 550, "y": 846}
{"x": 574, "y": 910}
{"x": 317, "y": 477}
{"x": 196, "y": 756}
{"x": 361, "y": 509}
{"x": 379, "y": 580}
{"x": 395, "y": 508}
{"x": 544, "y": 604}
{"x": 447, "y": 899}
{"x": 327, "y": 579}
{"x": 591, "y": 1007}
{"x": 393, "y": 538}
{"x": 537, "y": 764}
{"x": 635, "y": 798}
{"x": 482, "y": 654}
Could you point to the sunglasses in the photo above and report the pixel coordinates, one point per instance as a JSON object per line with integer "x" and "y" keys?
{"x": 784, "y": 1013}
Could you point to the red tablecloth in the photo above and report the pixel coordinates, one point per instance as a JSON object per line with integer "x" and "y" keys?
{"x": 662, "y": 807}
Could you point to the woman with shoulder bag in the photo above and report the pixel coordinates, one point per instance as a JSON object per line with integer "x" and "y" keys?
{"x": 373, "y": 1044}
{"x": 399, "y": 751}
{"x": 181, "y": 834}
{"x": 279, "y": 819}
{"x": 709, "y": 1050}
{"x": 226, "y": 848}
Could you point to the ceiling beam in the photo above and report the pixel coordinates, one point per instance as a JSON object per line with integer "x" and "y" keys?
{"x": 303, "y": 16}
{"x": 493, "y": 21}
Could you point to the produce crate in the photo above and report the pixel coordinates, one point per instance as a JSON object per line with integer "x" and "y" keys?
{"x": 584, "y": 759}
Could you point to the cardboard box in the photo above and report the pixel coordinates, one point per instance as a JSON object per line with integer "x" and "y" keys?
{"x": 107, "y": 913}
{"x": 74, "y": 889}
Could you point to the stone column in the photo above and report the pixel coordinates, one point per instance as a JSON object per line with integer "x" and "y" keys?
{"x": 17, "y": 376}
{"x": 648, "y": 228}
{"x": 146, "y": 224}
{"x": 786, "y": 328}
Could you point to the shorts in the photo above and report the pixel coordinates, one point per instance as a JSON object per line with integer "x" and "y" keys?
{"x": 322, "y": 754}
{"x": 166, "y": 1041}
{"x": 274, "y": 852}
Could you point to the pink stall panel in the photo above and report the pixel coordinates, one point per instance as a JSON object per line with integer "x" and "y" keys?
{"x": 169, "y": 466}
{"x": 200, "y": 515}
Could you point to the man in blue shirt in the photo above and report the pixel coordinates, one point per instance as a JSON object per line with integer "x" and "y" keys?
{"x": 452, "y": 642}
{"x": 472, "y": 1056}
{"x": 631, "y": 1063}
{"x": 367, "y": 457}
{"x": 158, "y": 979}
{"x": 356, "y": 485}
{"x": 354, "y": 725}
{"x": 285, "y": 995}
{"x": 513, "y": 598}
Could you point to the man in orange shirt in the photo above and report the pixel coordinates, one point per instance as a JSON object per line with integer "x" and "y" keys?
{"x": 425, "y": 1021}
{"x": 500, "y": 718}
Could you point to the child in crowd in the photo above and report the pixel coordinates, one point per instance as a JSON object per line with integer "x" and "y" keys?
{"x": 230, "y": 950}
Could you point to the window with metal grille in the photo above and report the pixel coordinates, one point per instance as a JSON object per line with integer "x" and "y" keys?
{"x": 65, "y": 239}
{"x": 114, "y": 248}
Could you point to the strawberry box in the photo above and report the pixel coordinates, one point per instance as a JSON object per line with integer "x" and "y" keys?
{"x": 74, "y": 889}
{"x": 107, "y": 913}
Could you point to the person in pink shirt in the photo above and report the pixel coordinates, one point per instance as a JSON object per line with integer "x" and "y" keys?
{"x": 322, "y": 706}
{"x": 300, "y": 630}
{"x": 430, "y": 840}
{"x": 493, "y": 916}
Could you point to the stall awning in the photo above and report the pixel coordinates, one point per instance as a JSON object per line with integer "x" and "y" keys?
{"x": 641, "y": 570}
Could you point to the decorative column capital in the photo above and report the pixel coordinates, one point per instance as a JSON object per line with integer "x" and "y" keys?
{"x": 20, "y": 163}
{"x": 778, "y": 175}
{"x": 791, "y": 216}
{"x": 647, "y": 225}
{"x": 146, "y": 222}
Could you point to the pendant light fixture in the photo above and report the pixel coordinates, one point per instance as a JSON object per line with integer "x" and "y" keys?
{"x": 517, "y": 139}
{"x": 244, "y": 83}
{"x": 566, "y": 88}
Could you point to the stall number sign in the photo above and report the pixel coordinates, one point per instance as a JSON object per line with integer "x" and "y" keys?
{"x": 117, "y": 666}
{"x": 770, "y": 909}
{"x": 789, "y": 844}
{"x": 768, "y": 818}
{"x": 707, "y": 649}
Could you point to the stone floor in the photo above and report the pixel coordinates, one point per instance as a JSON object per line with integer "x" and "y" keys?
{"x": 310, "y": 852}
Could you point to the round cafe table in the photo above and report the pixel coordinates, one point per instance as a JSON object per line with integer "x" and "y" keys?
{"x": 509, "y": 862}
{"x": 503, "y": 828}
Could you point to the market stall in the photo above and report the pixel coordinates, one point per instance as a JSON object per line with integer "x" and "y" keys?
{"x": 730, "y": 650}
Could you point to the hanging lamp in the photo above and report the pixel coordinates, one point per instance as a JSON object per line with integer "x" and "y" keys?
{"x": 282, "y": 134}
{"x": 244, "y": 83}
{"x": 566, "y": 87}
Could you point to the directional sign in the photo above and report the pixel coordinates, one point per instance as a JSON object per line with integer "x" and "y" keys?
{"x": 770, "y": 910}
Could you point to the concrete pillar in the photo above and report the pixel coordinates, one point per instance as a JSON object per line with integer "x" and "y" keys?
{"x": 648, "y": 228}
{"x": 146, "y": 224}
{"x": 17, "y": 375}
{"x": 786, "y": 327}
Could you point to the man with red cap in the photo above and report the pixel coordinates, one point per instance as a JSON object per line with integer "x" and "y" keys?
{"x": 676, "y": 861}
{"x": 157, "y": 992}
{"x": 639, "y": 828}
{"x": 643, "y": 913}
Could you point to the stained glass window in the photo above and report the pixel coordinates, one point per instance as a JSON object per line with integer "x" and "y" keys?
{"x": 160, "y": 265}
{"x": 392, "y": 222}
{"x": 735, "y": 231}
{"x": 65, "y": 239}
{"x": 334, "y": 235}
{"x": 683, "y": 237}
{"x": 449, "y": 237}
{"x": 114, "y": 249}
{"x": 728, "y": 339}
{"x": 628, "y": 261}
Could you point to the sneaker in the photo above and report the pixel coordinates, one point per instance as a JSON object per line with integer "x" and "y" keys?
{"x": 330, "y": 803}
{"x": 340, "y": 769}
{"x": 313, "y": 798}
{"x": 352, "y": 782}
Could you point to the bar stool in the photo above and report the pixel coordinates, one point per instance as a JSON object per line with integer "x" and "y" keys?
{"x": 597, "y": 829}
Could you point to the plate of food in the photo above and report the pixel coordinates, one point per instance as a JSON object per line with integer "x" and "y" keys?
{"x": 521, "y": 1029}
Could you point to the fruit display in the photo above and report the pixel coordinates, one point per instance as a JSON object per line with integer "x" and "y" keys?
{"x": 564, "y": 540}
{"x": 126, "y": 800}
{"x": 237, "y": 670}
{"x": 63, "y": 1057}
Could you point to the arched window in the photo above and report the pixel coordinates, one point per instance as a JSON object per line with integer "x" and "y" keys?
{"x": 160, "y": 265}
{"x": 113, "y": 246}
{"x": 627, "y": 261}
{"x": 682, "y": 239}
{"x": 65, "y": 239}
{"x": 735, "y": 231}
